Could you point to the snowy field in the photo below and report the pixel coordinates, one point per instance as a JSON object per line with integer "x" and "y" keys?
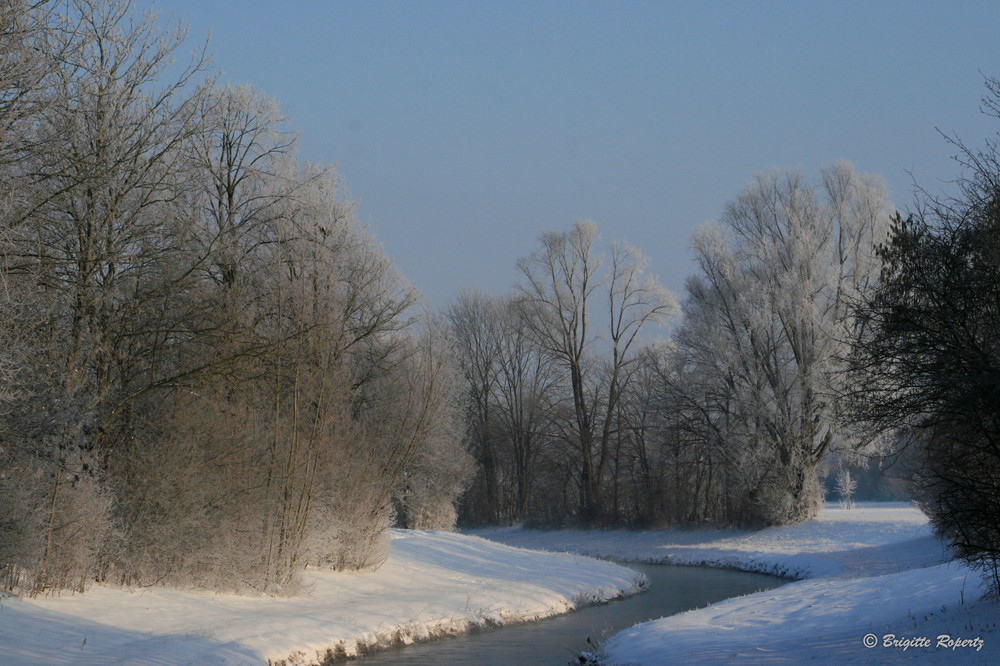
{"x": 873, "y": 575}
{"x": 433, "y": 584}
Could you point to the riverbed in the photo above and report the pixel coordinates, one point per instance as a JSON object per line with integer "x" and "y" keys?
{"x": 558, "y": 640}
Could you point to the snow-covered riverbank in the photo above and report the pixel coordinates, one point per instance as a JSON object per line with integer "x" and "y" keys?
{"x": 433, "y": 584}
{"x": 873, "y": 575}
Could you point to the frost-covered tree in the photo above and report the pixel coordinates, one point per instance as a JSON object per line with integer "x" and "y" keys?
{"x": 567, "y": 298}
{"x": 528, "y": 386}
{"x": 209, "y": 372}
{"x": 766, "y": 320}
{"x": 846, "y": 485}
{"x": 435, "y": 464}
{"x": 25, "y": 29}
{"x": 89, "y": 252}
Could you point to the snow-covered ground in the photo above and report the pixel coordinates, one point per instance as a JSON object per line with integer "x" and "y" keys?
{"x": 433, "y": 584}
{"x": 873, "y": 575}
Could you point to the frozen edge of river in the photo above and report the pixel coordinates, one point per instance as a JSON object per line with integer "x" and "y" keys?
{"x": 434, "y": 584}
{"x": 876, "y": 570}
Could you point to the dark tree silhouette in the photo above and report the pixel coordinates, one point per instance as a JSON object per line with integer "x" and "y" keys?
{"x": 927, "y": 352}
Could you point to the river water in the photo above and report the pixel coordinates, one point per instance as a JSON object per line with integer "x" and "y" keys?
{"x": 559, "y": 640}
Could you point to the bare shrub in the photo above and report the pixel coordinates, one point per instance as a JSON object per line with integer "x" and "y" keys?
{"x": 55, "y": 522}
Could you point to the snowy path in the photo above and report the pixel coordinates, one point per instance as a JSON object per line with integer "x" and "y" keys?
{"x": 873, "y": 570}
{"x": 433, "y": 584}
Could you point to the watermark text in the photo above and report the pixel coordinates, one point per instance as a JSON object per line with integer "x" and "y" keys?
{"x": 941, "y": 641}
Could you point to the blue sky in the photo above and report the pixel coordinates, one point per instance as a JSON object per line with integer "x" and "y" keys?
{"x": 467, "y": 128}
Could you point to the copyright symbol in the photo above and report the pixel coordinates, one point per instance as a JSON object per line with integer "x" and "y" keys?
{"x": 870, "y": 640}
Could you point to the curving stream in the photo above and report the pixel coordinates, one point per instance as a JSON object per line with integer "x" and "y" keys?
{"x": 558, "y": 640}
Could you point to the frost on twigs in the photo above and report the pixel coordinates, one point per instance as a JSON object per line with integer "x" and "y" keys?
{"x": 846, "y": 485}
{"x": 210, "y": 373}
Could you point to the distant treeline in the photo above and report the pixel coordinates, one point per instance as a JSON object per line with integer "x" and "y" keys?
{"x": 820, "y": 326}
{"x": 575, "y": 418}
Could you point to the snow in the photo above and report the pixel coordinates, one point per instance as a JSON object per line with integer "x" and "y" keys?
{"x": 433, "y": 584}
{"x": 874, "y": 570}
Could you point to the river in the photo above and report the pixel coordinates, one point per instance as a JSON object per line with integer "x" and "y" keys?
{"x": 558, "y": 640}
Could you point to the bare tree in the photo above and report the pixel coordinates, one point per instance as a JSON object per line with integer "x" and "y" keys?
{"x": 438, "y": 470}
{"x": 527, "y": 392}
{"x": 210, "y": 373}
{"x": 93, "y": 235}
{"x": 475, "y": 328}
{"x": 561, "y": 280}
{"x": 510, "y": 395}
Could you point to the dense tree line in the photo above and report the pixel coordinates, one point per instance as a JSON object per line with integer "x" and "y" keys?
{"x": 818, "y": 323}
{"x": 729, "y": 420}
{"x": 210, "y": 374}
{"x": 545, "y": 401}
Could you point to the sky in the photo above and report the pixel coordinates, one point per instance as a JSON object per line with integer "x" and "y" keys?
{"x": 465, "y": 129}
